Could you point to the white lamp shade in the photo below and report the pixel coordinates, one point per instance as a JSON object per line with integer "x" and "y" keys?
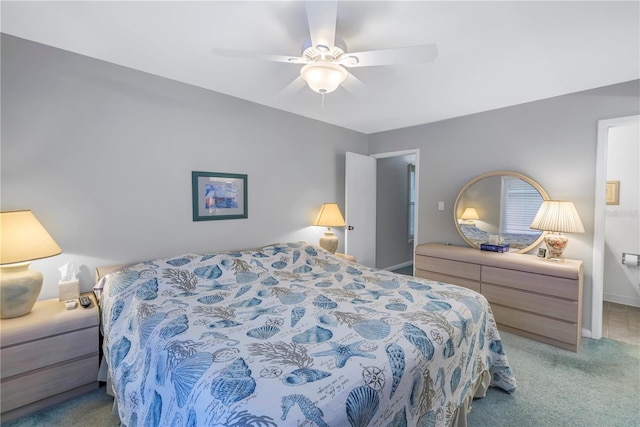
{"x": 323, "y": 77}
{"x": 470, "y": 213}
{"x": 24, "y": 238}
{"x": 558, "y": 216}
{"x": 330, "y": 216}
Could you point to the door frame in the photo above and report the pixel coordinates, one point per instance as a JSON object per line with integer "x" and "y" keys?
{"x": 416, "y": 153}
{"x": 602, "y": 146}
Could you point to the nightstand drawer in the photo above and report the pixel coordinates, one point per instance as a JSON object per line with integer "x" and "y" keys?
{"x": 47, "y": 319}
{"x": 48, "y": 351}
{"x": 37, "y": 385}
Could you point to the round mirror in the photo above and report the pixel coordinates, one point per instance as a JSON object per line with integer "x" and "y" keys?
{"x": 498, "y": 208}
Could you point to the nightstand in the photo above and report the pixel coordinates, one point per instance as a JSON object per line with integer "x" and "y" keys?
{"x": 48, "y": 356}
{"x": 346, "y": 257}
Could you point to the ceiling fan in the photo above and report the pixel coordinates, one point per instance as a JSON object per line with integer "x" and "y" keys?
{"x": 324, "y": 56}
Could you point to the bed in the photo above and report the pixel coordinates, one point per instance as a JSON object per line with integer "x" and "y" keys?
{"x": 292, "y": 335}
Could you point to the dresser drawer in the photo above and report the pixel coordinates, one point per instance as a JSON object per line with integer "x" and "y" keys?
{"x": 547, "y": 306}
{"x": 540, "y": 283}
{"x": 37, "y": 385}
{"x": 445, "y": 278}
{"x": 445, "y": 266}
{"x": 48, "y": 351}
{"x": 540, "y": 325}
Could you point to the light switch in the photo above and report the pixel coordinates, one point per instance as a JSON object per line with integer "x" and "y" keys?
{"x": 440, "y": 206}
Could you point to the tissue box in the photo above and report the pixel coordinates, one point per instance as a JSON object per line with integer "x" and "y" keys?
{"x": 68, "y": 290}
{"x": 495, "y": 248}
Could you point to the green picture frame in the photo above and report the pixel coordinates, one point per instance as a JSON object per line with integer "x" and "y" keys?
{"x": 219, "y": 196}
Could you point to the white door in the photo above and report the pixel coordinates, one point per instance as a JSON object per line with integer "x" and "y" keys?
{"x": 360, "y": 208}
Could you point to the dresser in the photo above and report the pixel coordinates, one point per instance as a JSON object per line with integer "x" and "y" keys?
{"x": 529, "y": 296}
{"x": 48, "y": 356}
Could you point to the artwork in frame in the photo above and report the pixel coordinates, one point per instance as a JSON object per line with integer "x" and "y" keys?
{"x": 218, "y": 196}
{"x": 613, "y": 193}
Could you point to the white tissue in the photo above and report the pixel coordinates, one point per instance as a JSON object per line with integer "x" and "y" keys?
{"x": 495, "y": 239}
{"x": 69, "y": 285}
{"x": 68, "y": 272}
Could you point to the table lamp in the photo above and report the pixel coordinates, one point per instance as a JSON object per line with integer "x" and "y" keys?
{"x": 469, "y": 215}
{"x": 24, "y": 239}
{"x": 329, "y": 216}
{"x": 557, "y": 217}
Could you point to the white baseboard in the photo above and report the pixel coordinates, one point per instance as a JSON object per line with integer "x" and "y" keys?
{"x": 622, "y": 299}
{"x": 397, "y": 266}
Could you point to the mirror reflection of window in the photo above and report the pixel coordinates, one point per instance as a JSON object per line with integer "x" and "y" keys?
{"x": 519, "y": 202}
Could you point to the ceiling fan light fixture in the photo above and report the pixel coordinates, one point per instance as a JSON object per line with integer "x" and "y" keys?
{"x": 323, "y": 77}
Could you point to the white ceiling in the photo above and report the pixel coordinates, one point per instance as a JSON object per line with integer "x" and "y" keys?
{"x": 491, "y": 54}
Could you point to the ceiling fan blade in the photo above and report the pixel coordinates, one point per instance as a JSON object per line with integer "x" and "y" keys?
{"x": 322, "y": 17}
{"x": 257, "y": 55}
{"x": 292, "y": 88}
{"x": 355, "y": 86}
{"x": 393, "y": 56}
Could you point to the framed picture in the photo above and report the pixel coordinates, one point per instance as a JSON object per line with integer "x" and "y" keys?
{"x": 542, "y": 252}
{"x": 218, "y": 196}
{"x": 613, "y": 193}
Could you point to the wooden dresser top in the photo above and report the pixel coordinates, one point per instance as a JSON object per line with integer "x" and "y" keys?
{"x": 569, "y": 269}
{"x": 48, "y": 318}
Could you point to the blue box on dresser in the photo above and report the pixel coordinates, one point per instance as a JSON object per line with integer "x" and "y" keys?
{"x": 495, "y": 248}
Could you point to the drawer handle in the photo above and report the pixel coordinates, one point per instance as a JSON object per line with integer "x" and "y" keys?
{"x": 624, "y": 258}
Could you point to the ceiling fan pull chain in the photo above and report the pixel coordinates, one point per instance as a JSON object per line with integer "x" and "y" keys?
{"x": 322, "y": 101}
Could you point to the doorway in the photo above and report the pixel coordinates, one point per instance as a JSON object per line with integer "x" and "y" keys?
{"x": 616, "y": 224}
{"x": 395, "y": 212}
{"x": 363, "y": 228}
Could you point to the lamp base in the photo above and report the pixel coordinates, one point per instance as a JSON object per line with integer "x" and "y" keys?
{"x": 19, "y": 289}
{"x": 556, "y": 244}
{"x": 329, "y": 242}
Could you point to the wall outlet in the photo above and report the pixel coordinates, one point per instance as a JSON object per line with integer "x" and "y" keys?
{"x": 440, "y": 206}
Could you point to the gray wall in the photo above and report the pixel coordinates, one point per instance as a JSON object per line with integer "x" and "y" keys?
{"x": 103, "y": 156}
{"x": 392, "y": 213}
{"x": 552, "y": 141}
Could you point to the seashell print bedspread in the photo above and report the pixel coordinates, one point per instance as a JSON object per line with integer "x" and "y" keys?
{"x": 291, "y": 335}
